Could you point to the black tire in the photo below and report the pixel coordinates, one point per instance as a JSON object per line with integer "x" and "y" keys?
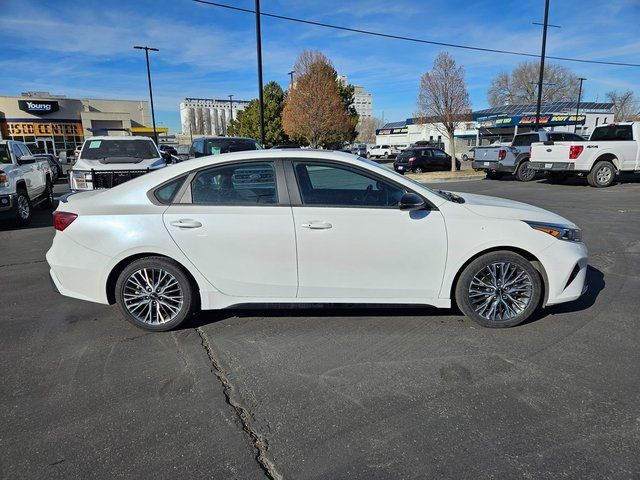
{"x": 132, "y": 276}
{"x": 23, "y": 207}
{"x": 527, "y": 298}
{"x": 494, "y": 175}
{"x": 524, "y": 173}
{"x": 602, "y": 174}
{"x": 556, "y": 177}
{"x": 385, "y": 156}
{"x": 417, "y": 170}
{"x": 47, "y": 203}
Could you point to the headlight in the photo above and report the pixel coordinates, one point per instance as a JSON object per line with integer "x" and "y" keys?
{"x": 561, "y": 232}
{"x": 4, "y": 179}
{"x": 81, "y": 180}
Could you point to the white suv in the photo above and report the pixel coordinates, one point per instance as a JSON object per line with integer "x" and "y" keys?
{"x": 105, "y": 162}
{"x": 383, "y": 151}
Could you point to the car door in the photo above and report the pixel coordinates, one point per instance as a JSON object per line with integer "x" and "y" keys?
{"x": 354, "y": 242}
{"x": 441, "y": 160}
{"x": 235, "y": 224}
{"x": 28, "y": 170}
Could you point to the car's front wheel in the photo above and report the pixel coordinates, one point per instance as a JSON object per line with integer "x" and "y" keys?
{"x": 154, "y": 293}
{"x": 499, "y": 289}
{"x": 23, "y": 207}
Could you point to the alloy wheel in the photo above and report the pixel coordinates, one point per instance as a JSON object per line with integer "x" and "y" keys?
{"x": 23, "y": 207}
{"x": 603, "y": 175}
{"x": 500, "y": 291}
{"x": 153, "y": 296}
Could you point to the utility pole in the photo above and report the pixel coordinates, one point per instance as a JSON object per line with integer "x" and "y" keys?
{"x": 259, "y": 52}
{"x": 230, "y": 108}
{"x": 542, "y": 54}
{"x": 291, "y": 76}
{"x": 153, "y": 115}
{"x": 575, "y": 126}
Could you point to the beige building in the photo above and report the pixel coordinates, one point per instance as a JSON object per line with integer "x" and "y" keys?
{"x": 55, "y": 123}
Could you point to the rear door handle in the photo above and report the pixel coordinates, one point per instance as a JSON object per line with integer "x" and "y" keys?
{"x": 186, "y": 223}
{"x": 317, "y": 225}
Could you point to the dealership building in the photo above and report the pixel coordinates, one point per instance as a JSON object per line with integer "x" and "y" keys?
{"x": 55, "y": 123}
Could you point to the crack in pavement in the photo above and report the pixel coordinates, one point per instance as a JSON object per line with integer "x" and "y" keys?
{"x": 21, "y": 263}
{"x": 230, "y": 393}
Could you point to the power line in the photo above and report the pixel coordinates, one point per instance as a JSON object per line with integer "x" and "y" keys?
{"x": 411, "y": 39}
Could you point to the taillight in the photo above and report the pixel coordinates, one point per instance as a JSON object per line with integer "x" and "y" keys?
{"x": 502, "y": 154}
{"x": 575, "y": 151}
{"x": 62, "y": 220}
{"x": 411, "y": 160}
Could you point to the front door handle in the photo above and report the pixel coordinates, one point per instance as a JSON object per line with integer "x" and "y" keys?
{"x": 317, "y": 225}
{"x": 186, "y": 223}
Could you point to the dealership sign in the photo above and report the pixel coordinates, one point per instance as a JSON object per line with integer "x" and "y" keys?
{"x": 38, "y": 107}
{"x": 549, "y": 120}
{"x": 12, "y": 129}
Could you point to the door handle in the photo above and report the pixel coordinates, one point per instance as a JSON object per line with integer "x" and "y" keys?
{"x": 317, "y": 225}
{"x": 186, "y": 223}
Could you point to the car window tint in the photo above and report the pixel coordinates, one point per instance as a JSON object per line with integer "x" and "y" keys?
{"x": 572, "y": 137}
{"x": 612, "y": 132}
{"x": 167, "y": 192}
{"x": 439, "y": 154}
{"x": 333, "y": 185}
{"x": 239, "y": 184}
{"x": 556, "y": 137}
{"x": 4, "y": 153}
{"x": 525, "y": 140}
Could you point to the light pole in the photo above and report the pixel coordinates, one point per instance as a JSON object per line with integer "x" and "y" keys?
{"x": 542, "y": 53}
{"x": 291, "y": 76}
{"x": 230, "y": 108}
{"x": 153, "y": 115}
{"x": 259, "y": 52}
{"x": 575, "y": 126}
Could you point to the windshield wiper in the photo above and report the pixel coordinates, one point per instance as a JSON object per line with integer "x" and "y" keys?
{"x": 452, "y": 197}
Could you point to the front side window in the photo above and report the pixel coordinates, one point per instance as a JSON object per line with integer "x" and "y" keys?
{"x": 238, "y": 184}
{"x": 4, "y": 154}
{"x": 332, "y": 185}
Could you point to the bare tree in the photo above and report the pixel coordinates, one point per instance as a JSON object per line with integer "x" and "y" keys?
{"x": 367, "y": 129}
{"x": 314, "y": 110}
{"x": 443, "y": 98}
{"x": 520, "y": 86}
{"x": 625, "y": 105}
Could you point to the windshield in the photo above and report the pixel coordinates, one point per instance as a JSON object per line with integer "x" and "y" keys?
{"x": 403, "y": 177}
{"x": 101, "y": 149}
{"x": 227, "y": 145}
{"x": 4, "y": 153}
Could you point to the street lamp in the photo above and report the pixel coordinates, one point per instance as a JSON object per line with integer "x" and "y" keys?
{"x": 153, "y": 116}
{"x": 575, "y": 126}
{"x": 259, "y": 55}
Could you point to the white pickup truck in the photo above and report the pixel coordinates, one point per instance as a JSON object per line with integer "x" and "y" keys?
{"x": 25, "y": 181}
{"x": 105, "y": 162}
{"x": 611, "y": 149}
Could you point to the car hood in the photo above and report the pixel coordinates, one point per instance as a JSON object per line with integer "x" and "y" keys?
{"x": 150, "y": 163}
{"x": 495, "y": 207}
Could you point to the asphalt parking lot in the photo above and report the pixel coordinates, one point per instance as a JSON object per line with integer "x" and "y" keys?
{"x": 331, "y": 393}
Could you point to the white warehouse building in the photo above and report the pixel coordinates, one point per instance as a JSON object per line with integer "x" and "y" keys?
{"x": 208, "y": 116}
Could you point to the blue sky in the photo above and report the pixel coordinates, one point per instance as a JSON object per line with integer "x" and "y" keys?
{"x": 83, "y": 48}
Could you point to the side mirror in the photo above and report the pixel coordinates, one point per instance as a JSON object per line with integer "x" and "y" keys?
{"x": 410, "y": 202}
{"x": 166, "y": 156}
{"x": 26, "y": 159}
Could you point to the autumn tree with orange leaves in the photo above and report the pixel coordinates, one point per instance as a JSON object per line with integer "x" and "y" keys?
{"x": 314, "y": 110}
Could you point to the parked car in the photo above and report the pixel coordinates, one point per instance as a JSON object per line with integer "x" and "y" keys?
{"x": 469, "y": 155}
{"x": 25, "y": 181}
{"x": 212, "y": 233}
{"x": 611, "y": 149}
{"x": 500, "y": 160}
{"x": 54, "y": 165}
{"x": 360, "y": 151}
{"x": 423, "y": 159}
{"x": 105, "y": 162}
{"x": 383, "y": 151}
{"x": 217, "y": 145}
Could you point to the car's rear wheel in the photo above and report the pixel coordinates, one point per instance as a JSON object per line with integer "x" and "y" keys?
{"x": 48, "y": 200}
{"x": 417, "y": 170}
{"x": 154, "y": 293}
{"x": 499, "y": 289}
{"x": 23, "y": 207}
{"x": 602, "y": 174}
{"x": 524, "y": 173}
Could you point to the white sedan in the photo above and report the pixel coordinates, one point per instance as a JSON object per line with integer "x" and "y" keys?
{"x": 305, "y": 226}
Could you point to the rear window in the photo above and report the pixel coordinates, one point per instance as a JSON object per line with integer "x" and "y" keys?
{"x": 407, "y": 153}
{"x": 525, "y": 140}
{"x": 227, "y": 145}
{"x": 4, "y": 153}
{"x": 166, "y": 192}
{"x": 102, "y": 149}
{"x": 612, "y": 132}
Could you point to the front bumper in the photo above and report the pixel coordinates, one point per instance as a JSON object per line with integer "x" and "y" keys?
{"x": 565, "y": 265}
{"x": 7, "y": 205}
{"x": 552, "y": 166}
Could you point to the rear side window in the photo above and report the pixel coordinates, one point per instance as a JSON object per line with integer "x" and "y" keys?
{"x": 612, "y": 133}
{"x": 525, "y": 140}
{"x": 166, "y": 193}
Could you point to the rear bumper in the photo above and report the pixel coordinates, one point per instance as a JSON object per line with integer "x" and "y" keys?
{"x": 552, "y": 166}
{"x": 491, "y": 166}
